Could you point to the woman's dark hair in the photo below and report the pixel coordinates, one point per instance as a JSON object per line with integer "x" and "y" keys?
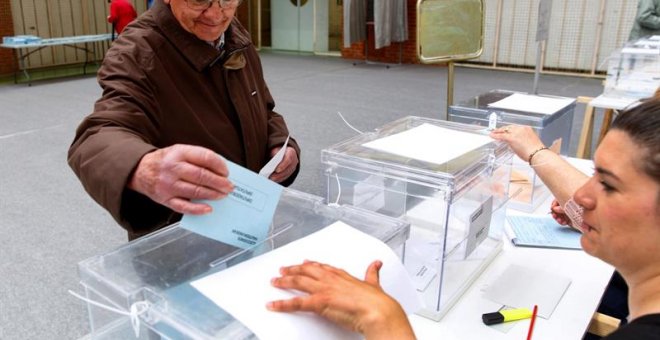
{"x": 642, "y": 124}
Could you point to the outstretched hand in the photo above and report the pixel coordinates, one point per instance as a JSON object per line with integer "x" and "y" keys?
{"x": 175, "y": 175}
{"x": 522, "y": 139}
{"x": 360, "y": 306}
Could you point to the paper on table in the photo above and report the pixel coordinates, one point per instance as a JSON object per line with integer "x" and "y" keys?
{"x": 268, "y": 169}
{"x": 543, "y": 232}
{"x": 253, "y": 196}
{"x": 531, "y": 103}
{"x": 647, "y": 43}
{"x": 523, "y": 287}
{"x": 244, "y": 290}
{"x": 638, "y": 50}
{"x": 617, "y": 103}
{"x": 429, "y": 143}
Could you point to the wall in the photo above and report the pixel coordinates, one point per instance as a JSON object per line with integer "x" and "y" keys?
{"x": 7, "y": 59}
{"x": 583, "y": 34}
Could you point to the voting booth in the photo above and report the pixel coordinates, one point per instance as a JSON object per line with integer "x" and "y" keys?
{"x": 449, "y": 180}
{"x": 152, "y": 276}
{"x": 550, "y": 116}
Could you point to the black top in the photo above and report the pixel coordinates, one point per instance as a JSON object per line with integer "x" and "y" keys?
{"x": 646, "y": 327}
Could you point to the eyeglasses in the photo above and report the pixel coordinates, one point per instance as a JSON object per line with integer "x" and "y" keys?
{"x": 202, "y": 5}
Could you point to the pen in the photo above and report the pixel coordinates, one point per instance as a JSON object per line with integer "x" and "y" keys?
{"x": 531, "y": 323}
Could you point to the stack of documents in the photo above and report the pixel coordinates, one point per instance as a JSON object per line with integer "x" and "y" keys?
{"x": 542, "y": 231}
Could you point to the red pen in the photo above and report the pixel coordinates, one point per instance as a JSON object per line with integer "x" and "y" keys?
{"x": 531, "y": 323}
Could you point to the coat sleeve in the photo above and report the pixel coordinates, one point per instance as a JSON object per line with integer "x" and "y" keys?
{"x": 647, "y": 15}
{"x": 277, "y": 128}
{"x": 110, "y": 142}
{"x": 277, "y": 133}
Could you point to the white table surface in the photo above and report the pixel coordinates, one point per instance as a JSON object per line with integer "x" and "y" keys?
{"x": 570, "y": 320}
{"x": 61, "y": 41}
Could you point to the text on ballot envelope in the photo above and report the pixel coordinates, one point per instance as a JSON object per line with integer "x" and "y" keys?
{"x": 243, "y": 218}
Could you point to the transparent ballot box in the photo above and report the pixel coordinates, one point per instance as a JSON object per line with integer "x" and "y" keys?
{"x": 156, "y": 271}
{"x": 527, "y": 191}
{"x": 633, "y": 72}
{"x": 449, "y": 180}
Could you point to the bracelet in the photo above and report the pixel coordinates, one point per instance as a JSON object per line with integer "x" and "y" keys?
{"x": 531, "y": 155}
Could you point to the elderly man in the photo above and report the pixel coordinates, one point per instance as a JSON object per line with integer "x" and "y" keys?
{"x": 182, "y": 85}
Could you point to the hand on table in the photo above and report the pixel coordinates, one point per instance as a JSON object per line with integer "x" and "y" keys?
{"x": 360, "y": 306}
{"x": 287, "y": 166}
{"x": 175, "y": 175}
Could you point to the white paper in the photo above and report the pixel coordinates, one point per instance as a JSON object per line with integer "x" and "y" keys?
{"x": 532, "y": 103}
{"x": 616, "y": 103}
{"x": 637, "y": 50}
{"x": 429, "y": 143}
{"x": 244, "y": 290}
{"x": 646, "y": 43}
{"x": 522, "y": 287}
{"x": 270, "y": 167}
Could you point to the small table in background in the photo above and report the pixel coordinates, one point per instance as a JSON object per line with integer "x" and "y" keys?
{"x": 82, "y": 42}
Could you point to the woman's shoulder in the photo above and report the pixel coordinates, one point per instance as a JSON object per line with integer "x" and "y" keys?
{"x": 646, "y": 327}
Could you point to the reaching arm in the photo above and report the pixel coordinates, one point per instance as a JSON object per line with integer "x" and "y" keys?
{"x": 559, "y": 176}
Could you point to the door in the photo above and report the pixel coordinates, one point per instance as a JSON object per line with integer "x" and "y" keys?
{"x": 292, "y": 25}
{"x": 327, "y": 26}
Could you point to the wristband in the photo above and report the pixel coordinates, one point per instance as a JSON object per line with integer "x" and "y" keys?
{"x": 531, "y": 155}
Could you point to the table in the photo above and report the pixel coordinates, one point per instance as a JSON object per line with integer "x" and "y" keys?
{"x": 22, "y": 50}
{"x": 570, "y": 320}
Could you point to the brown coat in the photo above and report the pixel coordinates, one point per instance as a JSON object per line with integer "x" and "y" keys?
{"x": 163, "y": 86}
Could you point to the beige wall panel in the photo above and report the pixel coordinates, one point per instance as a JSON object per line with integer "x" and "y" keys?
{"x": 42, "y": 14}
{"x": 65, "y": 23}
{"x": 30, "y": 26}
{"x": 55, "y": 30}
{"x": 490, "y": 14}
{"x": 574, "y": 36}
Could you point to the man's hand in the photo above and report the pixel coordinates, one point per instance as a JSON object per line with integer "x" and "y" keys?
{"x": 177, "y": 174}
{"x": 286, "y": 167}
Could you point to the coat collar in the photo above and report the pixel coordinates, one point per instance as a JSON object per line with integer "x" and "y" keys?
{"x": 198, "y": 52}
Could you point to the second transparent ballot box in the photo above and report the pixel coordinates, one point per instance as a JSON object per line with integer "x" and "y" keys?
{"x": 449, "y": 180}
{"x": 633, "y": 72}
{"x": 550, "y": 116}
{"x": 155, "y": 271}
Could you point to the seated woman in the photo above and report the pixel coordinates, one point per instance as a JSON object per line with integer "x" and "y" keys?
{"x": 621, "y": 226}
